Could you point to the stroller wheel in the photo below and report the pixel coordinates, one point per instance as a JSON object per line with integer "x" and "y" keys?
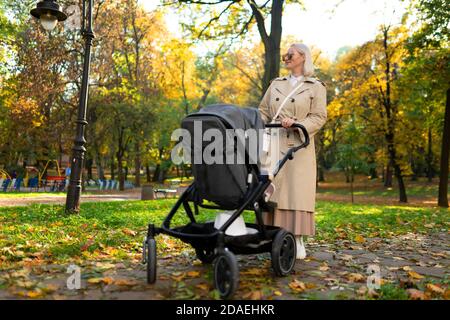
{"x": 151, "y": 260}
{"x": 206, "y": 256}
{"x": 284, "y": 251}
{"x": 226, "y": 274}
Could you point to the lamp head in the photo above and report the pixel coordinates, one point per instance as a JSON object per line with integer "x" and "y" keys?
{"x": 49, "y": 13}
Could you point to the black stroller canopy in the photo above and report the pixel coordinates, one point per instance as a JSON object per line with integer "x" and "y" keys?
{"x": 224, "y": 183}
{"x": 235, "y": 117}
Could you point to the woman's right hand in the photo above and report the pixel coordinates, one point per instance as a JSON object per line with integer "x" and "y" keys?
{"x": 287, "y": 122}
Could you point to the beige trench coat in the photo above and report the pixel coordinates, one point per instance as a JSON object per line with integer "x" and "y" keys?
{"x": 296, "y": 182}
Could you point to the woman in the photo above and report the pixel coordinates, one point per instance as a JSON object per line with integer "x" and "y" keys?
{"x": 295, "y": 185}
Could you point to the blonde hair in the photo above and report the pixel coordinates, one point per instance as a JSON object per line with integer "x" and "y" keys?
{"x": 308, "y": 69}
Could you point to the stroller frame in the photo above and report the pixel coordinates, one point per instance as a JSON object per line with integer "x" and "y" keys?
{"x": 213, "y": 245}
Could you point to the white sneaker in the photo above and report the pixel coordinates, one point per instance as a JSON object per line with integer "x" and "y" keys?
{"x": 301, "y": 251}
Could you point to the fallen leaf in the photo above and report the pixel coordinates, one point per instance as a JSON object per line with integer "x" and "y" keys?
{"x": 324, "y": 267}
{"x": 407, "y": 268}
{"x": 310, "y": 285}
{"x": 297, "y": 286}
{"x": 435, "y": 288}
{"x": 447, "y": 294}
{"x": 105, "y": 280}
{"x": 277, "y": 293}
{"x": 415, "y": 294}
{"x": 253, "y": 295}
{"x": 125, "y": 282}
{"x": 193, "y": 274}
{"x": 50, "y": 288}
{"x": 355, "y": 277}
{"x": 129, "y": 232}
{"x": 362, "y": 290}
{"x": 253, "y": 271}
{"x": 360, "y": 239}
{"x": 202, "y": 286}
{"x": 346, "y": 257}
{"x": 415, "y": 275}
{"x": 178, "y": 276}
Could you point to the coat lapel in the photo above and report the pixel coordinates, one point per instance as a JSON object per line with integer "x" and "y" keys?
{"x": 284, "y": 86}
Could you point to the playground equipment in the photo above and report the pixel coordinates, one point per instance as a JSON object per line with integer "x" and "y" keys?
{"x": 56, "y": 180}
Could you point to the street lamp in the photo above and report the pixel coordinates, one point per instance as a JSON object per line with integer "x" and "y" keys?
{"x": 49, "y": 13}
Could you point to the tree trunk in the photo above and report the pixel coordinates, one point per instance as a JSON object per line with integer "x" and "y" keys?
{"x": 270, "y": 40}
{"x": 89, "y": 164}
{"x": 100, "y": 169}
{"x": 137, "y": 165}
{"x": 112, "y": 169}
{"x": 388, "y": 176}
{"x": 430, "y": 171}
{"x": 147, "y": 173}
{"x": 120, "y": 172}
{"x": 373, "y": 173}
{"x": 397, "y": 170}
{"x": 443, "y": 174}
{"x": 156, "y": 173}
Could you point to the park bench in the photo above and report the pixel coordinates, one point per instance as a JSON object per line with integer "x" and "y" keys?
{"x": 165, "y": 192}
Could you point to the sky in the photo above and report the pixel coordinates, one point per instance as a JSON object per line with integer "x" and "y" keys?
{"x": 326, "y": 24}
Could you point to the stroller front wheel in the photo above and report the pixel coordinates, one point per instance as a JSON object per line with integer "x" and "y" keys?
{"x": 226, "y": 274}
{"x": 206, "y": 256}
{"x": 151, "y": 260}
{"x": 284, "y": 251}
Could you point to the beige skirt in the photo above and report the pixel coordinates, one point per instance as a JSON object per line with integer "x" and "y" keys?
{"x": 299, "y": 222}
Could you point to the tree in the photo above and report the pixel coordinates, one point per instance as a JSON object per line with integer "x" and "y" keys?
{"x": 241, "y": 16}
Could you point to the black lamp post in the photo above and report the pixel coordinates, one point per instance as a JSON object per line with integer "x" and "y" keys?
{"x": 49, "y": 13}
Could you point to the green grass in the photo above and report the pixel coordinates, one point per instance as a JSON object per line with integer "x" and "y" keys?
{"x": 115, "y": 229}
{"x": 374, "y": 189}
{"x": 7, "y": 195}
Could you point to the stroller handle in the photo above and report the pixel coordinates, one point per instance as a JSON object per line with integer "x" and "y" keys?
{"x": 295, "y": 125}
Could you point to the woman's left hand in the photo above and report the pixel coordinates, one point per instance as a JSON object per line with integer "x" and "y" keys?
{"x": 287, "y": 122}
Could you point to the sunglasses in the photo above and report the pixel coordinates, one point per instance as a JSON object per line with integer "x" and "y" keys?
{"x": 288, "y": 56}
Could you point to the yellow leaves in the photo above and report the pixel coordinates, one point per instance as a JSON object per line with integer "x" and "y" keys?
{"x": 254, "y": 271}
{"x": 178, "y": 276}
{"x": 104, "y": 265}
{"x": 415, "y": 275}
{"x": 33, "y": 294}
{"x": 202, "y": 286}
{"x": 49, "y": 288}
{"x": 297, "y": 286}
{"x": 434, "y": 289}
{"x": 105, "y": 280}
{"x": 193, "y": 274}
{"x": 360, "y": 239}
{"x": 277, "y": 293}
{"x": 355, "y": 277}
{"x": 125, "y": 282}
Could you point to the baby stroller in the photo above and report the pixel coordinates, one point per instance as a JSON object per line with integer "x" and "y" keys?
{"x": 235, "y": 187}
